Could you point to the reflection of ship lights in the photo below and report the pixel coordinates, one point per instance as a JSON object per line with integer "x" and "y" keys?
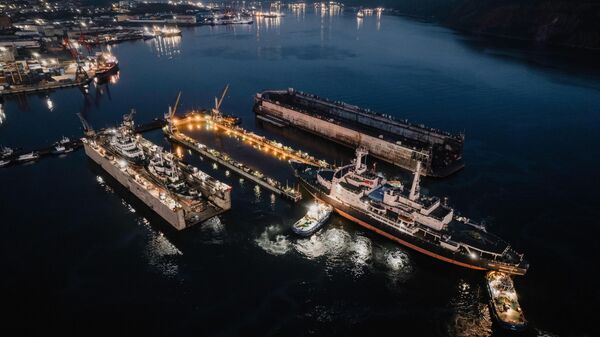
{"x": 50, "y": 104}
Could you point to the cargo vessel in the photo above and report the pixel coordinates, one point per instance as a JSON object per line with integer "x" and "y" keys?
{"x": 395, "y": 141}
{"x": 180, "y": 193}
{"x": 402, "y": 214}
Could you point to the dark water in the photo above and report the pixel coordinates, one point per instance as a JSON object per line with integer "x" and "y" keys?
{"x": 80, "y": 256}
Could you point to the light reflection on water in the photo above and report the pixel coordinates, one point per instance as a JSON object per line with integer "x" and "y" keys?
{"x": 159, "y": 251}
{"x": 339, "y": 249}
{"x": 166, "y": 46}
{"x": 471, "y": 314}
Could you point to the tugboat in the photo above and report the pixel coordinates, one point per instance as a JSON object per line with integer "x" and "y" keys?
{"x": 504, "y": 302}
{"x": 425, "y": 224}
{"x": 318, "y": 213}
{"x": 62, "y": 146}
{"x": 163, "y": 167}
{"x": 125, "y": 142}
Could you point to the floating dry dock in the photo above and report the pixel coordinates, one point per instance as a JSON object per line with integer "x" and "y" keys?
{"x": 269, "y": 183}
{"x": 395, "y": 141}
{"x": 262, "y": 142}
{"x": 179, "y": 193}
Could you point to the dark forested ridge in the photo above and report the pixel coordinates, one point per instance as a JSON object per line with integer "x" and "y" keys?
{"x": 573, "y": 23}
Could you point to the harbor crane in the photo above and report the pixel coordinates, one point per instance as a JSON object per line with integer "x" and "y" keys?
{"x": 80, "y": 74}
{"x": 216, "y": 111}
{"x": 171, "y": 113}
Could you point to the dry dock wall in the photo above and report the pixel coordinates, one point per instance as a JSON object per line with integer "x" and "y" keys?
{"x": 175, "y": 218}
{"x": 384, "y": 150}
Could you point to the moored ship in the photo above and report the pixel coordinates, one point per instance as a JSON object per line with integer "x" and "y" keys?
{"x": 180, "y": 193}
{"x": 395, "y": 141}
{"x": 422, "y": 223}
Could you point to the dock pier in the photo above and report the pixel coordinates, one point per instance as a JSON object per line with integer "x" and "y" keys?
{"x": 237, "y": 167}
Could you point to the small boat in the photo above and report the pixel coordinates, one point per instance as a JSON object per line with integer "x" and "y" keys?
{"x": 4, "y": 162}
{"x": 62, "y": 146}
{"x": 360, "y": 14}
{"x": 318, "y": 213}
{"x": 503, "y": 301}
{"x": 28, "y": 157}
{"x": 5, "y": 152}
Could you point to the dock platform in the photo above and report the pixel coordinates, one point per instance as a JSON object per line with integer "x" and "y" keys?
{"x": 270, "y": 184}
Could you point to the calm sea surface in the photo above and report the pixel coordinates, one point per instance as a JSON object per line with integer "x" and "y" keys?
{"x": 81, "y": 256}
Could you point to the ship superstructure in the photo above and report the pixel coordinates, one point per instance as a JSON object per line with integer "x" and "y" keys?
{"x": 180, "y": 193}
{"x": 403, "y": 214}
{"x": 395, "y": 141}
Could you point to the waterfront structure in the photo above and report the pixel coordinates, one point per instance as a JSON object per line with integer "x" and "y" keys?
{"x": 398, "y": 142}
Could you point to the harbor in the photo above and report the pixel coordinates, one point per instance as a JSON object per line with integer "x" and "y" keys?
{"x": 123, "y": 235}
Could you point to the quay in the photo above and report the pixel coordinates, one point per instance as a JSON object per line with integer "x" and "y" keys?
{"x": 30, "y": 89}
{"x": 272, "y": 185}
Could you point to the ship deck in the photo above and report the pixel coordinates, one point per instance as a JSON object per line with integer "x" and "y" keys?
{"x": 294, "y": 104}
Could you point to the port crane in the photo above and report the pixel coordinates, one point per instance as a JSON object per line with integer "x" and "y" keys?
{"x": 80, "y": 74}
{"x": 171, "y": 113}
{"x": 216, "y": 111}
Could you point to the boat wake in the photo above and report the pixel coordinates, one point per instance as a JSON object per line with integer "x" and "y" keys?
{"x": 471, "y": 317}
{"x": 338, "y": 248}
{"x": 272, "y": 242}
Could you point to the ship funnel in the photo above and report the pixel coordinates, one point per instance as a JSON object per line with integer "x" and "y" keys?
{"x": 415, "y": 188}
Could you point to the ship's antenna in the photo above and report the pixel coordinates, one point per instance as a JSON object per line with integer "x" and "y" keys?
{"x": 415, "y": 188}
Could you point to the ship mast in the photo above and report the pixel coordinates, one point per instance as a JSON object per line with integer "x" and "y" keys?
{"x": 360, "y": 153}
{"x": 415, "y": 188}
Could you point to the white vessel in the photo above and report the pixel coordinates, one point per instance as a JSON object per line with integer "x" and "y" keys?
{"x": 125, "y": 142}
{"x": 28, "y": 156}
{"x": 318, "y": 213}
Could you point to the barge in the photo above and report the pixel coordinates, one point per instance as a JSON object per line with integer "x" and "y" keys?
{"x": 181, "y": 194}
{"x": 397, "y": 142}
